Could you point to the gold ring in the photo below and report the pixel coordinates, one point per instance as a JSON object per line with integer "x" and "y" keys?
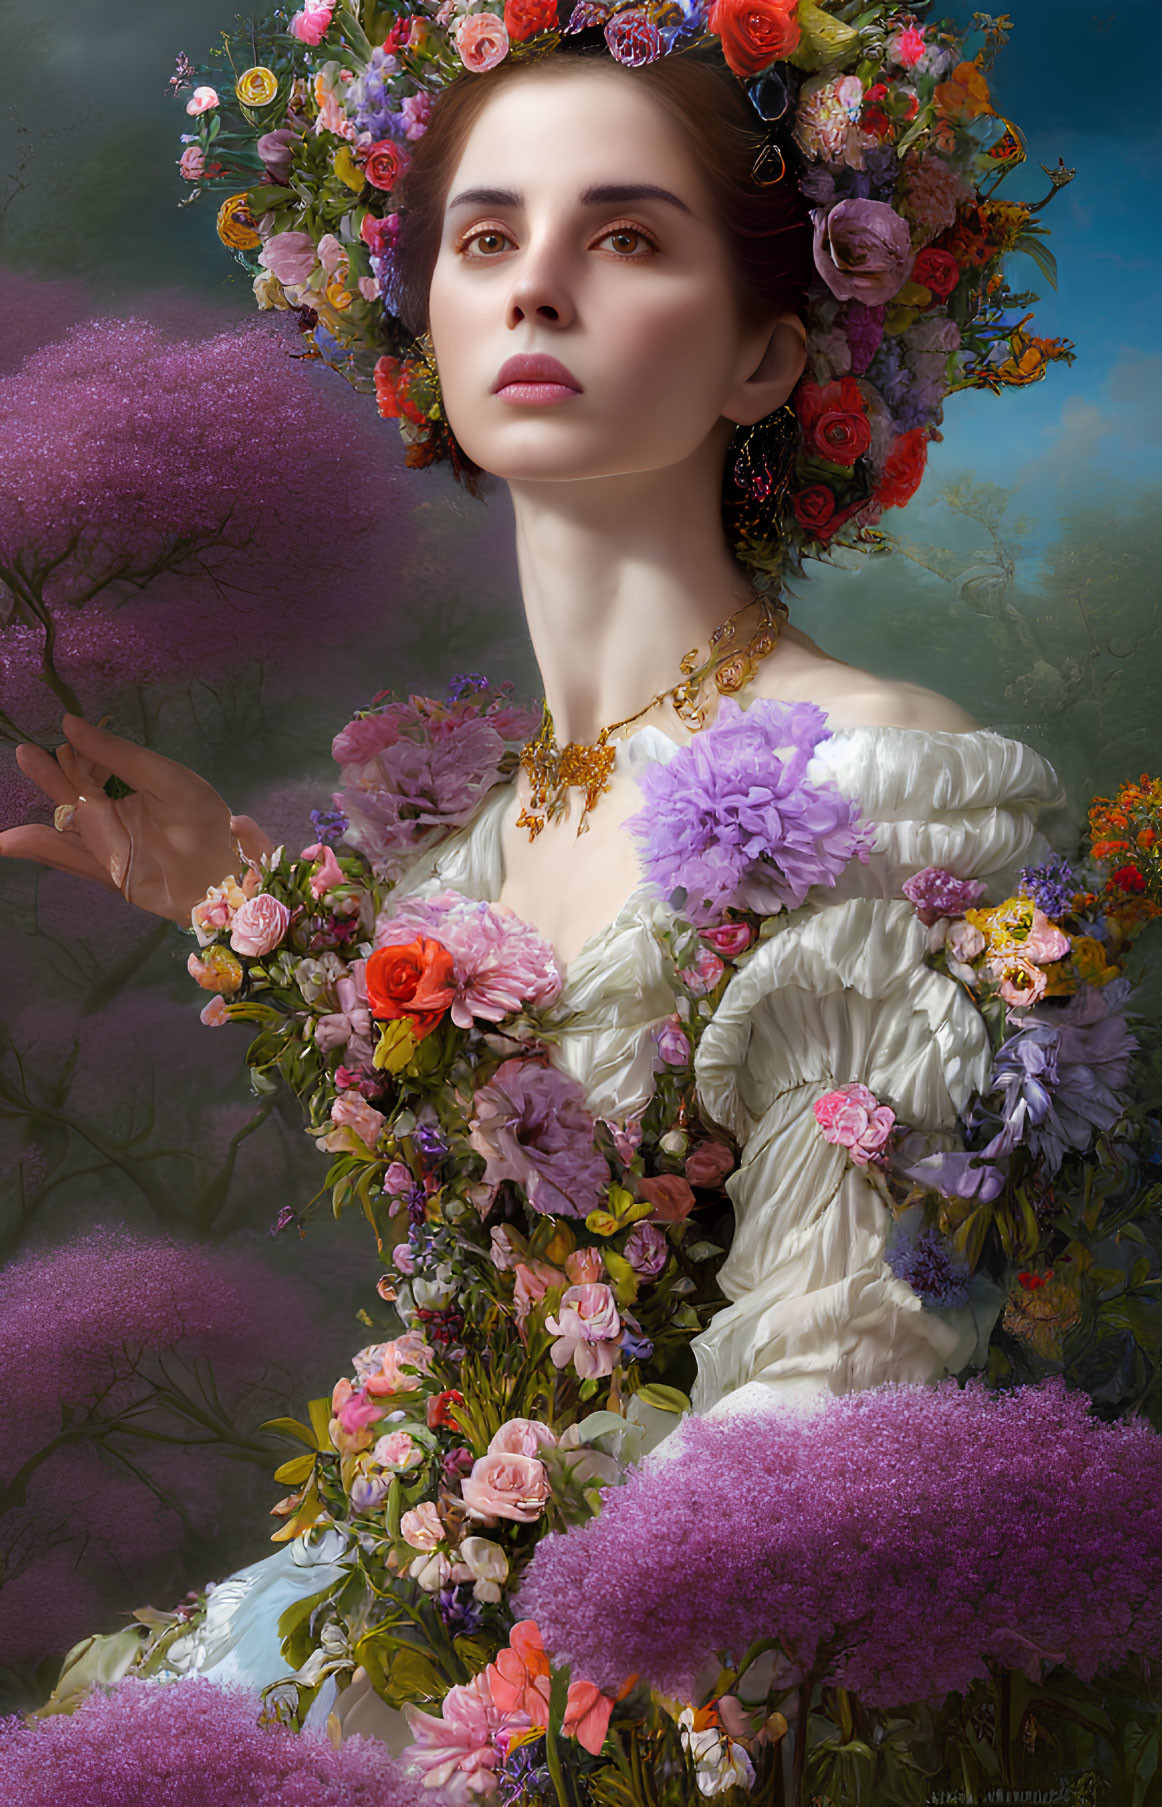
{"x": 62, "y": 817}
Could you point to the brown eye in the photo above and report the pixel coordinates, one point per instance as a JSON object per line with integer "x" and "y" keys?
{"x": 486, "y": 243}
{"x": 628, "y": 241}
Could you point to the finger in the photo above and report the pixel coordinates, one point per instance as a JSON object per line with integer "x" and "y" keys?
{"x": 83, "y": 773}
{"x": 48, "y": 848}
{"x": 145, "y": 770}
{"x": 46, "y": 772}
{"x": 253, "y": 840}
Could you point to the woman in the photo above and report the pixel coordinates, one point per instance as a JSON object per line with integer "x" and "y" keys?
{"x": 601, "y": 329}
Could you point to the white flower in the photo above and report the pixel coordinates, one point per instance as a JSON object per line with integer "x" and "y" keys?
{"x": 719, "y": 1762}
{"x": 489, "y": 1566}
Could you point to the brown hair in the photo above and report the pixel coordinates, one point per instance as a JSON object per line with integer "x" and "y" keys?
{"x": 766, "y": 228}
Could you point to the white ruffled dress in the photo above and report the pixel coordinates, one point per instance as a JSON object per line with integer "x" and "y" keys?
{"x": 839, "y": 993}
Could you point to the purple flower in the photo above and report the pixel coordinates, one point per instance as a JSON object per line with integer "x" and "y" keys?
{"x": 411, "y": 792}
{"x": 1051, "y": 887}
{"x": 466, "y": 684}
{"x": 501, "y": 963}
{"x": 737, "y": 818}
{"x": 531, "y": 1124}
{"x": 935, "y": 893}
{"x": 329, "y": 825}
{"x": 902, "y": 1537}
{"x": 673, "y": 1043}
{"x": 863, "y": 328}
{"x": 1064, "y": 1074}
{"x": 647, "y": 1250}
{"x": 458, "y": 1609}
{"x": 863, "y": 250}
{"x": 192, "y": 1741}
{"x": 927, "y": 1262}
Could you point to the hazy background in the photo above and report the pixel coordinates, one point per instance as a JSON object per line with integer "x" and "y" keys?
{"x": 1026, "y": 589}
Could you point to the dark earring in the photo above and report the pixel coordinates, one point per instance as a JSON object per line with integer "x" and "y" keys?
{"x": 765, "y": 457}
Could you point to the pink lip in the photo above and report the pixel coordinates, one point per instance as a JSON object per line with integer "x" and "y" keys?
{"x": 530, "y": 377}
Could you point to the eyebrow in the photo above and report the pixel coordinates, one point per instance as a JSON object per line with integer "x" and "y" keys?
{"x": 606, "y": 194}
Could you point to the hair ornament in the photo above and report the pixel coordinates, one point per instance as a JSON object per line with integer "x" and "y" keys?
{"x": 302, "y": 128}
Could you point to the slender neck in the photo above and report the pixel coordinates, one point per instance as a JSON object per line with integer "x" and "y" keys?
{"x": 621, "y": 576}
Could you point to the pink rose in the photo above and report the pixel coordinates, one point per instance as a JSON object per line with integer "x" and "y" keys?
{"x": 192, "y": 163}
{"x": 353, "y": 1112}
{"x": 311, "y": 25}
{"x": 420, "y": 1526}
{"x": 670, "y": 1195}
{"x": 507, "y": 1486}
{"x": 481, "y": 40}
{"x": 709, "y": 1164}
{"x": 863, "y": 250}
{"x": 290, "y": 256}
{"x": 215, "y": 1014}
{"x": 851, "y": 1118}
{"x": 259, "y": 925}
{"x": 704, "y": 975}
{"x": 398, "y": 1451}
{"x": 202, "y": 100}
{"x": 588, "y": 1330}
{"x": 522, "y": 1437}
{"x": 1045, "y": 942}
{"x": 398, "y": 1179}
{"x": 729, "y": 938}
{"x": 584, "y": 1266}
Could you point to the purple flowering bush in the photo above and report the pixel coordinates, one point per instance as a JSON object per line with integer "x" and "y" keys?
{"x": 189, "y": 1744}
{"x": 738, "y": 818}
{"x": 896, "y": 1542}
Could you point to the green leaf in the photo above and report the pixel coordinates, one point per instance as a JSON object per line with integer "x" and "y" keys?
{"x": 664, "y": 1399}
{"x": 320, "y": 1415}
{"x": 290, "y": 1427}
{"x": 1041, "y": 254}
{"x": 266, "y": 197}
{"x": 623, "y": 1277}
{"x": 294, "y": 1472}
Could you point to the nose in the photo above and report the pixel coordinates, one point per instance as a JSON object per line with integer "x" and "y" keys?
{"x": 541, "y": 291}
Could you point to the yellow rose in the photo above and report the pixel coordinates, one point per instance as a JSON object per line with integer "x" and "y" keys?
{"x": 256, "y": 87}
{"x": 1090, "y": 962}
{"x": 236, "y": 224}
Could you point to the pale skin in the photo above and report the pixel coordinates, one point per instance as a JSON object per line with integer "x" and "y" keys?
{"x": 578, "y": 227}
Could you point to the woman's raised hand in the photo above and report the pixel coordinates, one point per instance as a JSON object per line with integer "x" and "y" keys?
{"x": 161, "y": 847}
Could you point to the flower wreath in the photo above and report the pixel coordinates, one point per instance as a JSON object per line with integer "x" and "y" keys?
{"x": 887, "y": 121}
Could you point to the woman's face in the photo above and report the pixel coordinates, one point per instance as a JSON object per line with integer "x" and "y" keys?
{"x": 577, "y": 229}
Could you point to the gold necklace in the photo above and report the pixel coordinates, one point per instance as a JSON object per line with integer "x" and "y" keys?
{"x": 588, "y": 766}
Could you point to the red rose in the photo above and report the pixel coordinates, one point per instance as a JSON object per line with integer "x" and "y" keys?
{"x": 904, "y": 468}
{"x": 415, "y": 980}
{"x": 754, "y": 33}
{"x": 937, "y": 271}
{"x": 524, "y": 18}
{"x": 834, "y": 420}
{"x": 439, "y": 1410}
{"x": 379, "y": 235}
{"x": 384, "y": 164}
{"x": 1128, "y": 878}
{"x": 813, "y": 507}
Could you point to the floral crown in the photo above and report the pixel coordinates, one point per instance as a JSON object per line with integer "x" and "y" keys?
{"x": 309, "y": 121}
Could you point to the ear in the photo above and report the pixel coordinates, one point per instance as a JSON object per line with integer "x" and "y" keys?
{"x": 782, "y": 353}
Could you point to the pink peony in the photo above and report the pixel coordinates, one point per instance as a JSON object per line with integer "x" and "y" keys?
{"x": 420, "y": 1526}
{"x": 507, "y": 1486}
{"x": 531, "y": 1125}
{"x": 290, "y": 256}
{"x": 863, "y": 250}
{"x": 1045, "y": 942}
{"x": 397, "y": 1450}
{"x": 202, "y": 100}
{"x": 482, "y": 41}
{"x": 311, "y": 25}
{"x": 353, "y": 1112}
{"x": 501, "y": 963}
{"x": 456, "y": 1752}
{"x": 259, "y": 925}
{"x": 852, "y": 1118}
{"x": 192, "y": 163}
{"x": 588, "y": 1330}
{"x": 382, "y": 1366}
{"x": 521, "y": 1437}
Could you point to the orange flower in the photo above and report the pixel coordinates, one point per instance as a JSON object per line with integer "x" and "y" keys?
{"x": 587, "y": 1712}
{"x": 519, "y": 1680}
{"x": 965, "y": 95}
{"x": 415, "y": 980}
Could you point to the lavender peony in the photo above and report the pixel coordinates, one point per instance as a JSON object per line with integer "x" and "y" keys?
{"x": 736, "y": 818}
{"x": 502, "y": 965}
{"x": 899, "y": 1538}
{"x": 935, "y": 892}
{"x": 1064, "y": 1074}
{"x": 531, "y": 1125}
{"x": 863, "y": 250}
{"x": 412, "y": 792}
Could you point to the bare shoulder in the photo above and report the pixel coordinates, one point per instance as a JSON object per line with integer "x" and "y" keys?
{"x": 801, "y": 672}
